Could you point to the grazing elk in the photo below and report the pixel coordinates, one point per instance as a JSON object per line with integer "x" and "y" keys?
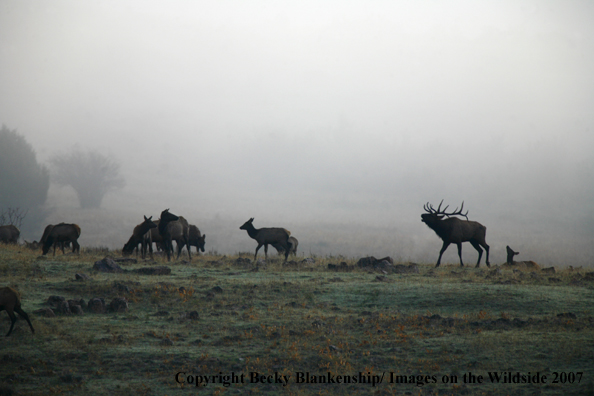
{"x": 9, "y": 233}
{"x": 10, "y": 300}
{"x": 454, "y": 230}
{"x": 293, "y": 242}
{"x": 62, "y": 233}
{"x": 268, "y": 236}
{"x": 138, "y": 237}
{"x": 44, "y": 237}
{"x": 196, "y": 239}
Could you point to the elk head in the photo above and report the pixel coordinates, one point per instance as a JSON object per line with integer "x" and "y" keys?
{"x": 434, "y": 215}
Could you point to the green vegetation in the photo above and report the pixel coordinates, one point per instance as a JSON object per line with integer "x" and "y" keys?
{"x": 299, "y": 317}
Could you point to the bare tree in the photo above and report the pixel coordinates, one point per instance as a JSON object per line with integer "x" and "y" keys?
{"x": 12, "y": 216}
{"x": 90, "y": 173}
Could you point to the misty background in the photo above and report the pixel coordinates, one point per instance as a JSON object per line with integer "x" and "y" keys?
{"x": 337, "y": 120}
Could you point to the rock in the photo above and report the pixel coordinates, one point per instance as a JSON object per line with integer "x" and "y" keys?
{"x": 55, "y": 300}
{"x": 166, "y": 342}
{"x": 217, "y": 289}
{"x": 118, "y": 304}
{"x": 63, "y": 308}
{"x": 550, "y": 270}
{"x": 375, "y": 263}
{"x": 107, "y": 265}
{"x": 96, "y": 305}
{"x": 81, "y": 277}
{"x": 76, "y": 309}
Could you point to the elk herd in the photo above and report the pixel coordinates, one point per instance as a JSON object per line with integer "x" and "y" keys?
{"x": 170, "y": 227}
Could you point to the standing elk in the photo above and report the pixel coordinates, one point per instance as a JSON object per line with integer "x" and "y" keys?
{"x": 9, "y": 233}
{"x": 293, "y": 242}
{"x": 454, "y": 230}
{"x": 268, "y": 236}
{"x": 196, "y": 239}
{"x": 138, "y": 237}
{"x": 166, "y": 218}
{"x": 10, "y": 300}
{"x": 62, "y": 233}
{"x": 172, "y": 227}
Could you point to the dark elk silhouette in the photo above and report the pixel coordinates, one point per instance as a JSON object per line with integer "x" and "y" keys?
{"x": 268, "y": 236}
{"x": 138, "y": 238}
{"x": 172, "y": 227}
{"x": 10, "y": 300}
{"x": 454, "y": 230}
{"x": 60, "y": 234}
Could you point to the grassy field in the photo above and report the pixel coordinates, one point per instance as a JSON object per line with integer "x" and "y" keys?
{"x": 298, "y": 329}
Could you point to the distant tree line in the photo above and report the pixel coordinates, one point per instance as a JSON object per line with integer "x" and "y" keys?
{"x": 24, "y": 183}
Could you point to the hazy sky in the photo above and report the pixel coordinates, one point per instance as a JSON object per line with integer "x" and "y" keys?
{"x": 314, "y": 110}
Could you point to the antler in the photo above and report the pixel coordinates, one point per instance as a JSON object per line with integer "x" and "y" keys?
{"x": 429, "y": 208}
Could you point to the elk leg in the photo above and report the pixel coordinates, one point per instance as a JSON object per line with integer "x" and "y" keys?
{"x": 266, "y": 251}
{"x": 443, "y": 249}
{"x": 287, "y": 251}
{"x": 12, "y": 321}
{"x": 487, "y": 258}
{"x": 258, "y": 248}
{"x": 189, "y": 247}
{"x": 460, "y": 253}
{"x": 476, "y": 245}
{"x": 24, "y": 315}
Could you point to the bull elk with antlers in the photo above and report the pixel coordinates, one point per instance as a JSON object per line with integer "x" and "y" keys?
{"x": 454, "y": 230}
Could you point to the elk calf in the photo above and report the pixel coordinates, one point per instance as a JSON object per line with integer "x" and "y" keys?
{"x": 293, "y": 243}
{"x": 268, "y": 236}
{"x": 454, "y": 230}
{"x": 11, "y": 302}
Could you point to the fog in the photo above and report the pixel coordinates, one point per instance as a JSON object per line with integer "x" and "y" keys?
{"x": 337, "y": 120}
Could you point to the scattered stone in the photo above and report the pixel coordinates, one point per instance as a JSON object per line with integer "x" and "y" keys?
{"x": 309, "y": 261}
{"x": 107, "y": 265}
{"x": 160, "y": 270}
{"x": 589, "y": 276}
{"x": 118, "y": 304}
{"x": 243, "y": 262}
{"x": 550, "y": 270}
{"x": 166, "y": 342}
{"x": 96, "y": 305}
{"x": 76, "y": 310}
{"x": 343, "y": 266}
{"x": 55, "y": 300}
{"x": 81, "y": 277}
{"x": 217, "y": 289}
{"x": 63, "y": 308}
{"x": 383, "y": 263}
{"x": 567, "y": 315}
